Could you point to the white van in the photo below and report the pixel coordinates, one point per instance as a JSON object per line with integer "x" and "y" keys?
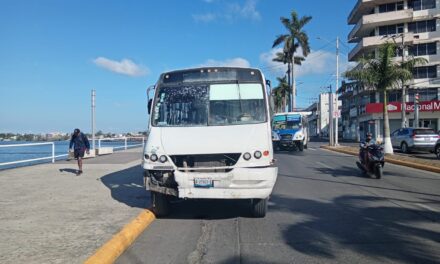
{"x": 209, "y": 137}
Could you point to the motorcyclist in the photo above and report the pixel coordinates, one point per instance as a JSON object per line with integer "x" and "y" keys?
{"x": 364, "y": 145}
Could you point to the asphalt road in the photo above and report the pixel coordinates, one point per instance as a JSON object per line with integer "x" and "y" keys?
{"x": 322, "y": 210}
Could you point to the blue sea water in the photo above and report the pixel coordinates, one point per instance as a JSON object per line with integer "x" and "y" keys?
{"x": 8, "y": 154}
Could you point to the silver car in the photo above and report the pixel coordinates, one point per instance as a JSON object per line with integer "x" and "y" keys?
{"x": 407, "y": 139}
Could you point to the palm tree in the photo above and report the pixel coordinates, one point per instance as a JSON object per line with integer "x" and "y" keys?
{"x": 280, "y": 93}
{"x": 296, "y": 37}
{"x": 383, "y": 73}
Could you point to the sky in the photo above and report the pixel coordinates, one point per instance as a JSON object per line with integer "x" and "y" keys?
{"x": 53, "y": 53}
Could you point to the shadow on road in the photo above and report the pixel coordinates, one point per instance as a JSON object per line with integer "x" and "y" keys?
{"x": 358, "y": 184}
{"x": 69, "y": 170}
{"x": 363, "y": 224}
{"x": 126, "y": 186}
{"x": 209, "y": 209}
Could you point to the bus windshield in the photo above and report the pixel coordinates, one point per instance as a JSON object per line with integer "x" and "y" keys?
{"x": 205, "y": 104}
{"x": 283, "y": 122}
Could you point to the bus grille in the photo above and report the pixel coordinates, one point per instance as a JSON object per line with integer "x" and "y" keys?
{"x": 286, "y": 137}
{"x": 206, "y": 160}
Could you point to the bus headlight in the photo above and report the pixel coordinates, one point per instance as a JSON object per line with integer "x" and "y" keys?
{"x": 257, "y": 154}
{"x": 299, "y": 136}
{"x": 163, "y": 159}
{"x": 154, "y": 158}
{"x": 247, "y": 156}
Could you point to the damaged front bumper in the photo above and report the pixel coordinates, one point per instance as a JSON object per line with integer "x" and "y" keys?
{"x": 235, "y": 183}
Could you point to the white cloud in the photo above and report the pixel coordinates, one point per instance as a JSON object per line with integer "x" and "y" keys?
{"x": 208, "y": 17}
{"x": 231, "y": 13}
{"x": 248, "y": 10}
{"x": 234, "y": 62}
{"x": 317, "y": 62}
{"x": 125, "y": 66}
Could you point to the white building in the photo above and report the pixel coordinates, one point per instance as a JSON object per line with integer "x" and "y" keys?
{"x": 416, "y": 24}
{"x": 319, "y": 120}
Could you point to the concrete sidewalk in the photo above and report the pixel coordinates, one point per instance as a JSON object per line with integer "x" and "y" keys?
{"x": 50, "y": 215}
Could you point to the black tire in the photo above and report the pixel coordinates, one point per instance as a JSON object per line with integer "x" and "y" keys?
{"x": 404, "y": 147}
{"x": 259, "y": 207}
{"x": 301, "y": 146}
{"x": 379, "y": 171}
{"x": 160, "y": 204}
{"x": 437, "y": 151}
{"x": 305, "y": 146}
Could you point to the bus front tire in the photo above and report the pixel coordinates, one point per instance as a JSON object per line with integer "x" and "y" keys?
{"x": 301, "y": 146}
{"x": 160, "y": 204}
{"x": 259, "y": 207}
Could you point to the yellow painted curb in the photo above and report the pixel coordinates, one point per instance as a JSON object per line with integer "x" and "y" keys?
{"x": 111, "y": 250}
{"x": 391, "y": 160}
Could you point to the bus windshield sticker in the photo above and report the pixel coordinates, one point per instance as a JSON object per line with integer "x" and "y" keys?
{"x": 251, "y": 91}
{"x": 223, "y": 92}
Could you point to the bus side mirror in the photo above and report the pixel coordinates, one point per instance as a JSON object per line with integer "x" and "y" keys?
{"x": 150, "y": 102}
{"x": 268, "y": 83}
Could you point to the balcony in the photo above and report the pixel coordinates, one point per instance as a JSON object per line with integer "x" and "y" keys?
{"x": 370, "y": 43}
{"x": 363, "y": 7}
{"x": 369, "y": 22}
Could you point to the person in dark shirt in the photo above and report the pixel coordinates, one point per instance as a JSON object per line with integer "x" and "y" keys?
{"x": 79, "y": 144}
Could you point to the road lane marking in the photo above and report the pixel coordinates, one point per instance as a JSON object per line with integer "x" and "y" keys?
{"x": 324, "y": 165}
{"x": 312, "y": 149}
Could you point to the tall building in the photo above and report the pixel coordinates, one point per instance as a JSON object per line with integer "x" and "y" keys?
{"x": 319, "y": 119}
{"x": 413, "y": 25}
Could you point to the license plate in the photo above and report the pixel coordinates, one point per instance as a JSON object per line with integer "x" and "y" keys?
{"x": 203, "y": 182}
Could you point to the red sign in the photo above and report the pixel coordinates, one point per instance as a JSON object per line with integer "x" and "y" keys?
{"x": 427, "y": 106}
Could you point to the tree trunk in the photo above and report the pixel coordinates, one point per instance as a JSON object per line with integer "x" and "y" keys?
{"x": 388, "y": 147}
{"x": 284, "y": 102}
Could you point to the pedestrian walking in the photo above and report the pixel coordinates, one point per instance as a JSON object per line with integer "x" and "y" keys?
{"x": 79, "y": 144}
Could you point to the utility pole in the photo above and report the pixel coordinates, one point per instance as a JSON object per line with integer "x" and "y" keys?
{"x": 93, "y": 119}
{"x": 337, "y": 86}
{"x": 288, "y": 82}
{"x": 416, "y": 110}
{"x": 293, "y": 102}
{"x": 403, "y": 84}
{"x": 330, "y": 117}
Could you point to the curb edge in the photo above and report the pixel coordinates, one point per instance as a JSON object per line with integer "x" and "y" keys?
{"x": 112, "y": 249}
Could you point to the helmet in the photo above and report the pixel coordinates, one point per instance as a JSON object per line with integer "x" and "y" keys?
{"x": 76, "y": 131}
{"x": 368, "y": 136}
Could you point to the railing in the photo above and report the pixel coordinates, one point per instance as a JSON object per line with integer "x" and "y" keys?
{"x": 52, "y": 157}
{"x": 125, "y": 139}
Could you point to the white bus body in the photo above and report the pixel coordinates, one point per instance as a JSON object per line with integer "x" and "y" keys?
{"x": 209, "y": 137}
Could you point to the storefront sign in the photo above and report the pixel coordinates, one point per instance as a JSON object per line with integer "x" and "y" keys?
{"x": 427, "y": 106}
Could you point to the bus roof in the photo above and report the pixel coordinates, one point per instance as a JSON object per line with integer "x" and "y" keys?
{"x": 212, "y": 74}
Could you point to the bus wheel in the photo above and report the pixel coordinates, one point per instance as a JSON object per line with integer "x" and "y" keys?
{"x": 160, "y": 204}
{"x": 259, "y": 207}
{"x": 301, "y": 146}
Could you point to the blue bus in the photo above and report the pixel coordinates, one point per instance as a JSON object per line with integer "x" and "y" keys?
{"x": 290, "y": 131}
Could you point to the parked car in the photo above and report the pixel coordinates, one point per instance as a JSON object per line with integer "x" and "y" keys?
{"x": 408, "y": 139}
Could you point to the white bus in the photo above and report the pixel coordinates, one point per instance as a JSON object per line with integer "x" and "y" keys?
{"x": 291, "y": 130}
{"x": 209, "y": 137}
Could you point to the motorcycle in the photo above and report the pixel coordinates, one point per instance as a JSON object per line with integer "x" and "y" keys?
{"x": 375, "y": 159}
